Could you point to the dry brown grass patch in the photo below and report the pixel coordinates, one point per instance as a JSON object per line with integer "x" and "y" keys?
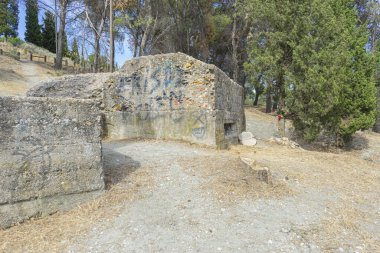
{"x": 230, "y": 180}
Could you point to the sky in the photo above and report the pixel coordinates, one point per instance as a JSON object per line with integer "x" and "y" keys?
{"x": 120, "y": 55}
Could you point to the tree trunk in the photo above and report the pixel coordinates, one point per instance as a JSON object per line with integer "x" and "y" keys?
{"x": 62, "y": 24}
{"x": 256, "y": 101}
{"x": 136, "y": 44}
{"x": 377, "y": 124}
{"x": 235, "y": 67}
{"x": 281, "y": 95}
{"x": 268, "y": 107}
{"x": 112, "y": 41}
{"x": 97, "y": 53}
{"x": 147, "y": 31}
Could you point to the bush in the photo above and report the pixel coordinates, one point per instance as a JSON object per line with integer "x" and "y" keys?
{"x": 15, "y": 41}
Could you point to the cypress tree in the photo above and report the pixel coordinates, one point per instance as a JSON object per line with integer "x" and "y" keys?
{"x": 75, "y": 51}
{"x": 312, "y": 53}
{"x": 48, "y": 32}
{"x": 33, "y": 29}
{"x": 66, "y": 51}
{"x": 3, "y": 17}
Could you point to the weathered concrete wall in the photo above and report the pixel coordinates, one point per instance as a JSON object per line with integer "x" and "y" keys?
{"x": 50, "y": 153}
{"x": 171, "y": 96}
{"x": 377, "y": 124}
{"x": 85, "y": 86}
{"x": 168, "y": 96}
{"x": 230, "y": 111}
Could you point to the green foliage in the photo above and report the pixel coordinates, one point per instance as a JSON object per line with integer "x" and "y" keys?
{"x": 313, "y": 54}
{"x": 33, "y": 29}
{"x": 66, "y": 51}
{"x": 220, "y": 22}
{"x": 75, "y": 52}
{"x": 9, "y": 18}
{"x": 48, "y": 32}
{"x": 15, "y": 41}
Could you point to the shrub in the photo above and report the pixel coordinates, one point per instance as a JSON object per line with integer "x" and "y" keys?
{"x": 15, "y": 41}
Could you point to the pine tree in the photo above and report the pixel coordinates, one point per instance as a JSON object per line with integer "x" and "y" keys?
{"x": 75, "y": 52}
{"x": 48, "y": 32}
{"x": 13, "y": 17}
{"x": 33, "y": 29}
{"x": 9, "y": 18}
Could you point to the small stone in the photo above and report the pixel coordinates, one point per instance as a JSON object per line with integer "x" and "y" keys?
{"x": 248, "y": 161}
{"x": 247, "y": 139}
{"x": 245, "y": 136}
{"x": 251, "y": 142}
{"x": 264, "y": 175}
{"x": 285, "y": 230}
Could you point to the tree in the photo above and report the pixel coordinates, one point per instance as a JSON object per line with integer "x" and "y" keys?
{"x": 32, "y": 27}
{"x": 48, "y": 32}
{"x": 62, "y": 13}
{"x": 65, "y": 51}
{"x": 312, "y": 53}
{"x": 9, "y": 18}
{"x": 96, "y": 14}
{"x": 75, "y": 52}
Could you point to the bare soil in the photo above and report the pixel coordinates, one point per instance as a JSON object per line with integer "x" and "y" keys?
{"x": 17, "y": 77}
{"x": 176, "y": 197}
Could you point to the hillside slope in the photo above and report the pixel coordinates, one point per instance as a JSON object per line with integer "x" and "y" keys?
{"x": 16, "y": 77}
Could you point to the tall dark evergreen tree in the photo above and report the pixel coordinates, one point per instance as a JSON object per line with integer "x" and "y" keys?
{"x": 75, "y": 52}
{"x": 312, "y": 53}
{"x": 66, "y": 51}
{"x": 48, "y": 32}
{"x": 9, "y": 18}
{"x": 13, "y": 17}
{"x": 33, "y": 29}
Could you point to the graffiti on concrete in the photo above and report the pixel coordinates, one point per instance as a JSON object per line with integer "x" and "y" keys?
{"x": 200, "y": 124}
{"x": 39, "y": 154}
{"x": 161, "y": 88}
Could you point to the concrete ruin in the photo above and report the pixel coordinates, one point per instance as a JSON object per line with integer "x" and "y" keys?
{"x": 50, "y": 152}
{"x": 170, "y": 96}
{"x": 51, "y": 140}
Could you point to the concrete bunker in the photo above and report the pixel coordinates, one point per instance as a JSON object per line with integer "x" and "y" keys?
{"x": 171, "y": 96}
{"x": 50, "y": 143}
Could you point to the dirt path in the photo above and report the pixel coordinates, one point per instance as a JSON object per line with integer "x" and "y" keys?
{"x": 17, "y": 77}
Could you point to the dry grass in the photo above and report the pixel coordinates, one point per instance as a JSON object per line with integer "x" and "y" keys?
{"x": 229, "y": 180}
{"x": 342, "y": 228}
{"x": 347, "y": 175}
{"x": 56, "y": 232}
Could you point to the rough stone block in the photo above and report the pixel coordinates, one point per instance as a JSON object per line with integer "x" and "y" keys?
{"x": 48, "y": 147}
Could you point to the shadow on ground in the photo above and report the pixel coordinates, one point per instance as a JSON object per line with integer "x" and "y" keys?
{"x": 117, "y": 167}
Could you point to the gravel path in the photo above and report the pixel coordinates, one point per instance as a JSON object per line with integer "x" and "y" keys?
{"x": 177, "y": 215}
{"x": 176, "y": 197}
